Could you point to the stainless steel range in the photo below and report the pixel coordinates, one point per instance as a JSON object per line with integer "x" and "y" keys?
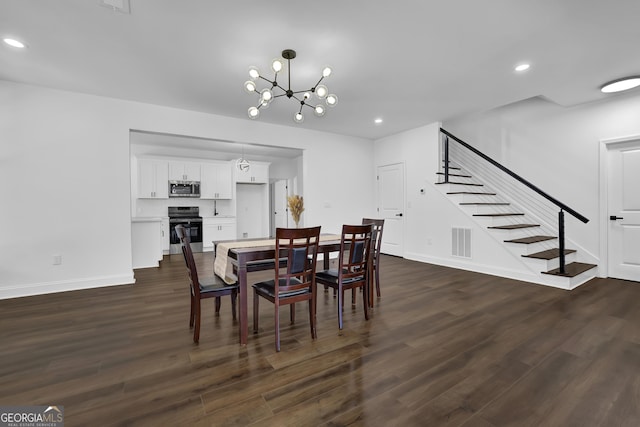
{"x": 189, "y": 217}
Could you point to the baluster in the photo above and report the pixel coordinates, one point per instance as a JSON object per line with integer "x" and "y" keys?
{"x": 561, "y": 239}
{"x": 446, "y": 159}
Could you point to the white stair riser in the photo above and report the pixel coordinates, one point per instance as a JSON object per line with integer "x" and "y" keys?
{"x": 456, "y": 178}
{"x": 532, "y": 248}
{"x": 514, "y": 234}
{"x": 457, "y": 187}
{"x": 486, "y": 209}
{"x": 551, "y": 264}
{"x": 492, "y": 221}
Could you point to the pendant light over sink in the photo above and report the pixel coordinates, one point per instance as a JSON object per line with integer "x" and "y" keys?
{"x": 243, "y": 164}
{"x": 302, "y": 97}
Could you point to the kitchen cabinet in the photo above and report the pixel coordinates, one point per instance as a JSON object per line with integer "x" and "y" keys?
{"x": 153, "y": 179}
{"x": 258, "y": 173}
{"x": 166, "y": 245}
{"x": 184, "y": 171}
{"x": 146, "y": 245}
{"x": 216, "y": 182}
{"x": 217, "y": 229}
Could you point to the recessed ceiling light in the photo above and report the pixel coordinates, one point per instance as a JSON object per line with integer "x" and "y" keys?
{"x": 14, "y": 42}
{"x": 522, "y": 67}
{"x": 621, "y": 84}
{"x": 377, "y": 121}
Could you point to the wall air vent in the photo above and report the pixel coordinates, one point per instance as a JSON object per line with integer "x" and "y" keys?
{"x": 121, "y": 6}
{"x": 461, "y": 242}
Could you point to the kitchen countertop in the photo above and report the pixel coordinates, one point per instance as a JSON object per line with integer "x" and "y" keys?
{"x": 146, "y": 219}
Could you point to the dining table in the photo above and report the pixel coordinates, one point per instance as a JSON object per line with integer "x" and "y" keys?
{"x": 235, "y": 258}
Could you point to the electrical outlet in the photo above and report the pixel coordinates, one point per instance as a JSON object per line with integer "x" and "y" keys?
{"x": 57, "y": 259}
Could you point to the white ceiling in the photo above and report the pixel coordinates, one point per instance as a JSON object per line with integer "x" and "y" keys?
{"x": 410, "y": 62}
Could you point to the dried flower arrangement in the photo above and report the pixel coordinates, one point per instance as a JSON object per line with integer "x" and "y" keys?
{"x": 296, "y": 207}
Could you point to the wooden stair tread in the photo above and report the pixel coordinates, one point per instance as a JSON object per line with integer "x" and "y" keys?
{"x": 484, "y": 203}
{"x": 462, "y": 183}
{"x": 531, "y": 239}
{"x": 500, "y": 214}
{"x": 549, "y": 254}
{"x": 513, "y": 226}
{"x": 571, "y": 270}
{"x": 472, "y": 193}
{"x": 455, "y": 174}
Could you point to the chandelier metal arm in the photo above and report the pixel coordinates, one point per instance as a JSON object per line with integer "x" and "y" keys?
{"x": 267, "y": 94}
{"x": 313, "y": 89}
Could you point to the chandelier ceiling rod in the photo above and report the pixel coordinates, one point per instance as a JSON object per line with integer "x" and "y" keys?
{"x": 266, "y": 96}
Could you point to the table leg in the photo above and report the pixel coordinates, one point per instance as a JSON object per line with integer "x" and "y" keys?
{"x": 242, "y": 284}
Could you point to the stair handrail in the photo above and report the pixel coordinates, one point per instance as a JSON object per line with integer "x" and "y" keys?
{"x": 512, "y": 174}
{"x": 563, "y": 207}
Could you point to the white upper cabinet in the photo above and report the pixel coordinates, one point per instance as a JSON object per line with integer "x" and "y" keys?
{"x": 216, "y": 182}
{"x": 184, "y": 171}
{"x": 152, "y": 179}
{"x": 258, "y": 173}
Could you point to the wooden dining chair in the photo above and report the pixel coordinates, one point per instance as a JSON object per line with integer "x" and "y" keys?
{"x": 354, "y": 261}
{"x": 201, "y": 288}
{"x": 295, "y": 281}
{"x": 376, "y": 242}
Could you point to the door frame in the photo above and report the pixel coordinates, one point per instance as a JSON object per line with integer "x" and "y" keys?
{"x": 603, "y": 271}
{"x": 272, "y": 201}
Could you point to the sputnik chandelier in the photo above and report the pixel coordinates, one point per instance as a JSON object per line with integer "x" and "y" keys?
{"x": 267, "y": 95}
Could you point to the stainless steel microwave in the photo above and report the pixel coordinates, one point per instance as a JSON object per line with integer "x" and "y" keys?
{"x": 184, "y": 188}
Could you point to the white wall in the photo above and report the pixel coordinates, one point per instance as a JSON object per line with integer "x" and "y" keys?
{"x": 285, "y": 169}
{"x": 64, "y": 159}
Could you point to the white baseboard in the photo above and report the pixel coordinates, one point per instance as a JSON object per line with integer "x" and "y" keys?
{"x": 7, "y": 291}
{"x": 553, "y": 281}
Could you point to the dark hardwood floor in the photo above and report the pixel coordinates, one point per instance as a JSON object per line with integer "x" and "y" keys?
{"x": 442, "y": 347}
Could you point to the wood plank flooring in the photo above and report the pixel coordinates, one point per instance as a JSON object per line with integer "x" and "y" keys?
{"x": 442, "y": 347}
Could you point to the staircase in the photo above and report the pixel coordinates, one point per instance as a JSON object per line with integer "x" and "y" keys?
{"x": 536, "y": 245}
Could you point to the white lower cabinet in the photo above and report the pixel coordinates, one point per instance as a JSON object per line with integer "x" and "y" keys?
{"x": 146, "y": 245}
{"x": 166, "y": 246}
{"x": 215, "y": 229}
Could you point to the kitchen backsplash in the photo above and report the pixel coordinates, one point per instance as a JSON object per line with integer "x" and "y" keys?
{"x": 158, "y": 207}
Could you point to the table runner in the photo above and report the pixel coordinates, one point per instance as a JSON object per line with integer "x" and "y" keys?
{"x": 223, "y": 268}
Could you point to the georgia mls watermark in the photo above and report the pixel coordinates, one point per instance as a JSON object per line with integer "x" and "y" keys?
{"x": 31, "y": 416}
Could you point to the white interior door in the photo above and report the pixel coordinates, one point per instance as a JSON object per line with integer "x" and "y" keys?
{"x": 391, "y": 207}
{"x": 624, "y": 210}
{"x": 280, "y": 210}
